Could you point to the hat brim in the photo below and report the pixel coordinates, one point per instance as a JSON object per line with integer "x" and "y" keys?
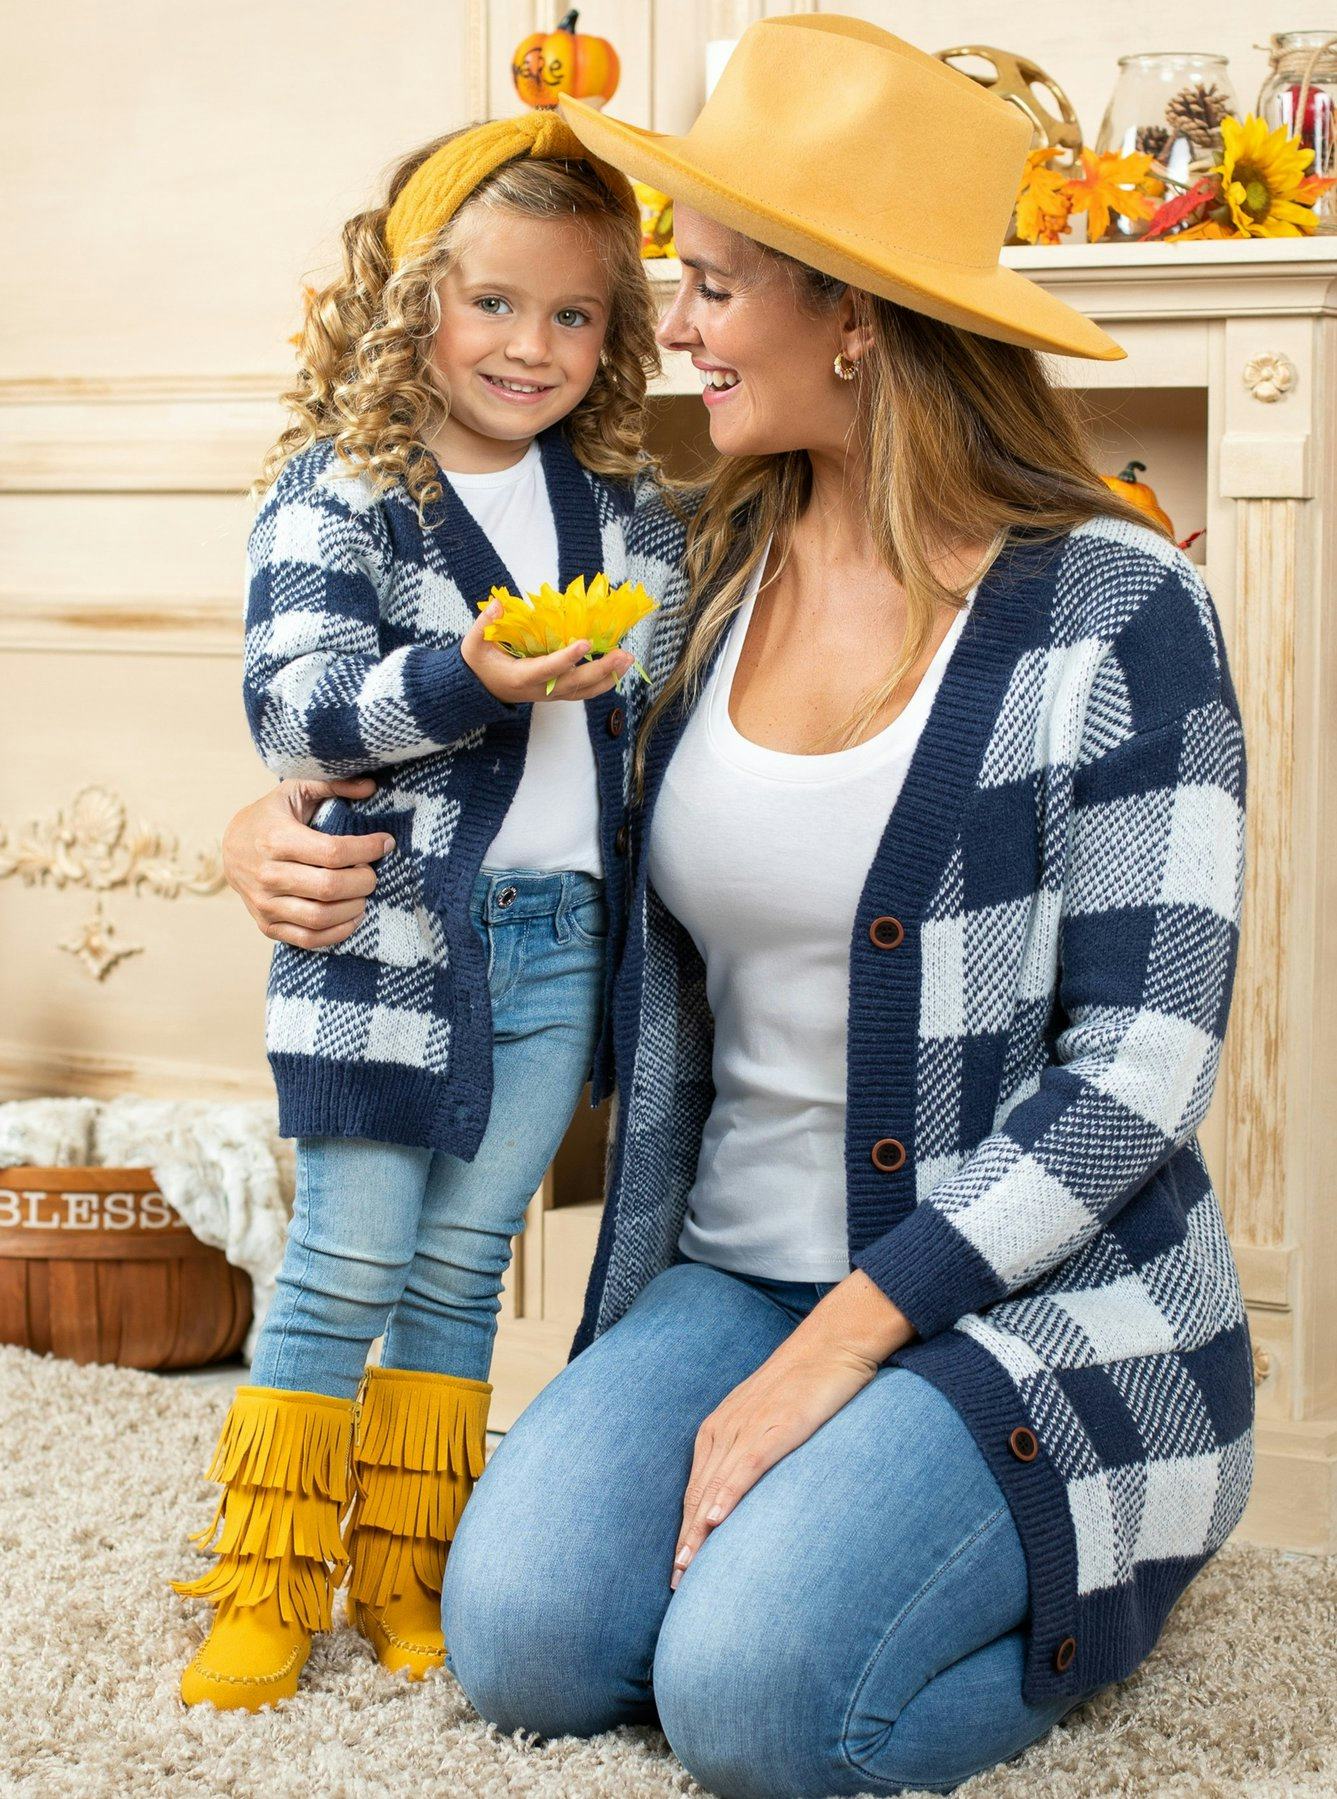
{"x": 995, "y": 302}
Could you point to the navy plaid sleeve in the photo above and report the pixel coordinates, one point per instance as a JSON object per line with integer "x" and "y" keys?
{"x": 1147, "y": 939}
{"x": 321, "y": 697}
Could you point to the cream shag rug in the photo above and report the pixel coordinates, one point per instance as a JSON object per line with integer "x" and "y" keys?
{"x": 100, "y": 1482}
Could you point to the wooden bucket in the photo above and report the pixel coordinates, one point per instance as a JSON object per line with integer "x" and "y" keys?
{"x": 97, "y": 1267}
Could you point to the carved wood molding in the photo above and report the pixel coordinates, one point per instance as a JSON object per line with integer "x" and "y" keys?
{"x": 92, "y": 843}
{"x": 1270, "y": 376}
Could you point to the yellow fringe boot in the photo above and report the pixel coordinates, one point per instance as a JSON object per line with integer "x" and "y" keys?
{"x": 417, "y": 1451}
{"x": 283, "y": 1459}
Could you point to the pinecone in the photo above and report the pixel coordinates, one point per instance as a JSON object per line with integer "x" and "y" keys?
{"x": 1196, "y": 113}
{"x": 1153, "y": 140}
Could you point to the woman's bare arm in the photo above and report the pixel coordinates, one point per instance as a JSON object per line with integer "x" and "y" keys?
{"x": 301, "y": 885}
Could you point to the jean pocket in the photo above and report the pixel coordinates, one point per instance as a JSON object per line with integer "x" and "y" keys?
{"x": 396, "y": 925}
{"x": 589, "y": 920}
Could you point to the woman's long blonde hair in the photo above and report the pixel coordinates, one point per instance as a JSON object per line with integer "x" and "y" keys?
{"x": 960, "y": 439}
{"x": 364, "y": 378}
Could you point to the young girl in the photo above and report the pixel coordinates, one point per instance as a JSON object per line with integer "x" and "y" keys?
{"x": 468, "y": 413}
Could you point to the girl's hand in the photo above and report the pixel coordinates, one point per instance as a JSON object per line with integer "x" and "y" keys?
{"x": 831, "y": 1355}
{"x": 515, "y": 678}
{"x": 300, "y": 885}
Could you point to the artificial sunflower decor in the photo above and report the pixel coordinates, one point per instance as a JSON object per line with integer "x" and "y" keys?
{"x": 536, "y": 624}
{"x": 1258, "y": 189}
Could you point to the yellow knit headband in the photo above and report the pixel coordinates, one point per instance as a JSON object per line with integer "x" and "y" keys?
{"x": 436, "y": 190}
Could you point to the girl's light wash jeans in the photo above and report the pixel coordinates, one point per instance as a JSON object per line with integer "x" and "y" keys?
{"x": 413, "y": 1243}
{"x": 854, "y": 1625}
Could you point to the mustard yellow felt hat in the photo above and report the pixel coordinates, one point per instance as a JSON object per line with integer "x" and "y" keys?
{"x": 841, "y": 145}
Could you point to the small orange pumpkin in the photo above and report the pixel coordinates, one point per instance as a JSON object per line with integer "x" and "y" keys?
{"x": 1128, "y": 487}
{"x": 565, "y": 61}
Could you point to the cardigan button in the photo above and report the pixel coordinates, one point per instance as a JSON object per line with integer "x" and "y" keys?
{"x": 887, "y": 932}
{"x": 1065, "y": 1654}
{"x": 616, "y": 719}
{"x": 620, "y": 840}
{"x": 1023, "y": 1444}
{"x": 888, "y": 1154}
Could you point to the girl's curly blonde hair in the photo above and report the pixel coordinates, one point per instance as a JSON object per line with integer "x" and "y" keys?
{"x": 364, "y": 379}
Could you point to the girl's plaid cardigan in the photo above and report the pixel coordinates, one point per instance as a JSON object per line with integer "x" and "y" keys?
{"x": 354, "y": 616}
{"x": 1065, "y": 861}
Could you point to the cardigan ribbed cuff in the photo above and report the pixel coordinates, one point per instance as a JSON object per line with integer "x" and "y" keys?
{"x": 928, "y": 1269}
{"x": 447, "y": 698}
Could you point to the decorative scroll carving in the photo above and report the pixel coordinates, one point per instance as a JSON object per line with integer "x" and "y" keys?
{"x": 96, "y": 948}
{"x": 91, "y": 843}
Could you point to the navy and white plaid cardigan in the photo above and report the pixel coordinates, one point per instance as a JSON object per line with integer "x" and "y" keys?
{"x": 354, "y": 617}
{"x": 1065, "y": 861}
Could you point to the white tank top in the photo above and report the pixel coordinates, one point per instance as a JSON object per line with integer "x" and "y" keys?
{"x": 553, "y": 821}
{"x": 762, "y": 855}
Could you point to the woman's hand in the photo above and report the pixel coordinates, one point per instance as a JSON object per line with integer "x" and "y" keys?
{"x": 300, "y": 885}
{"x": 516, "y": 678}
{"x": 830, "y": 1356}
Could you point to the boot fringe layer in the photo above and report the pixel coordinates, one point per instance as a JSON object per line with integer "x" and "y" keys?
{"x": 283, "y": 1459}
{"x": 419, "y": 1446}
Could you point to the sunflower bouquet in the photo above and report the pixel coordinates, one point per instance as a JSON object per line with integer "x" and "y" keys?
{"x": 536, "y": 624}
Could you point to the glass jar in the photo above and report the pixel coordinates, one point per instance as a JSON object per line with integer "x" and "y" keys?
{"x": 1295, "y": 55}
{"x": 1165, "y": 104}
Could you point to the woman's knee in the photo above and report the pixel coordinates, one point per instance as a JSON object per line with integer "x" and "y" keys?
{"x": 739, "y": 1696}
{"x": 534, "y": 1637}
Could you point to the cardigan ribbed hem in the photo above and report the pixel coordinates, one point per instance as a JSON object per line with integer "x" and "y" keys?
{"x": 990, "y": 1407}
{"x": 383, "y": 1101}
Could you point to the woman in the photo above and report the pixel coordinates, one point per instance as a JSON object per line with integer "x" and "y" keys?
{"x": 913, "y": 1384}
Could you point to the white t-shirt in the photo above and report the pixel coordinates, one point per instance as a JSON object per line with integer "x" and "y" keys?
{"x": 553, "y": 821}
{"x": 763, "y": 855}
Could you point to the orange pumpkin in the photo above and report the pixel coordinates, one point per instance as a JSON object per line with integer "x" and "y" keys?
{"x": 565, "y": 61}
{"x": 1128, "y": 487}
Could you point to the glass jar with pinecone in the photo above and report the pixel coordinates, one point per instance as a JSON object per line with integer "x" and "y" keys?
{"x": 1169, "y": 106}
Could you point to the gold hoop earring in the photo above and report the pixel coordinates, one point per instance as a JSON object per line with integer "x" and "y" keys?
{"x": 846, "y": 367}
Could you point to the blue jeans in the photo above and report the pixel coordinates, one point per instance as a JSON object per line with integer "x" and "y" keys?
{"x": 854, "y": 1625}
{"x": 386, "y": 1238}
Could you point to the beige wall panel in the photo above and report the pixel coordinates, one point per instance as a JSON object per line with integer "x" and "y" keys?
{"x": 166, "y": 734}
{"x": 181, "y": 169}
{"x": 159, "y": 547}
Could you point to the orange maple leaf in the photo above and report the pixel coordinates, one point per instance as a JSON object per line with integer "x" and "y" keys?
{"x": 1113, "y": 183}
{"x": 1043, "y": 204}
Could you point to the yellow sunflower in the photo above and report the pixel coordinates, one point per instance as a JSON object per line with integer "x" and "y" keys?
{"x": 1262, "y": 172}
{"x": 535, "y": 624}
